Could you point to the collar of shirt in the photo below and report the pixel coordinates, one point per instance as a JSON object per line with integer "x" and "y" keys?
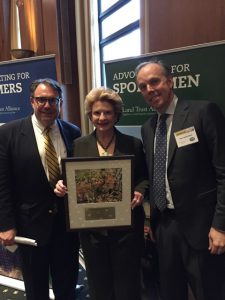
{"x": 171, "y": 108}
{"x": 55, "y": 137}
{"x": 170, "y": 111}
{"x": 40, "y": 127}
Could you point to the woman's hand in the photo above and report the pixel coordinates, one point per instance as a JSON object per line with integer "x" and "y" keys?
{"x": 60, "y": 189}
{"x": 137, "y": 200}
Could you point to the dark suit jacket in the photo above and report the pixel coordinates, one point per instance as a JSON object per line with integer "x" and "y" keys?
{"x": 196, "y": 172}
{"x": 125, "y": 145}
{"x": 26, "y": 197}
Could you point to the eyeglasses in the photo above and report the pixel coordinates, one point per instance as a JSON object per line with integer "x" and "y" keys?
{"x": 43, "y": 100}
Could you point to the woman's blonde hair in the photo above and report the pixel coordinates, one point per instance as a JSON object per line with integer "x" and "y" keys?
{"x": 103, "y": 94}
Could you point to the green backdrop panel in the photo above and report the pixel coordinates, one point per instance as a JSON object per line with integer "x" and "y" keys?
{"x": 198, "y": 71}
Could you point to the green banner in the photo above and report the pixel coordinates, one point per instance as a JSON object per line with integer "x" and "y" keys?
{"x": 198, "y": 74}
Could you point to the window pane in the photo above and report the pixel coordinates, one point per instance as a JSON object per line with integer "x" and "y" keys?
{"x": 121, "y": 18}
{"x": 105, "y": 4}
{"x": 126, "y": 46}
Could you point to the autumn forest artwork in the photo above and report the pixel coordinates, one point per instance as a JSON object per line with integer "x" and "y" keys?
{"x": 98, "y": 185}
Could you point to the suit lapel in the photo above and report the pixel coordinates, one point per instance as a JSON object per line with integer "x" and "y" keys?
{"x": 27, "y": 131}
{"x": 65, "y": 136}
{"x": 148, "y": 132}
{"x": 92, "y": 144}
{"x": 120, "y": 146}
{"x": 29, "y": 144}
{"x": 179, "y": 118}
{"x": 151, "y": 135}
{"x": 88, "y": 146}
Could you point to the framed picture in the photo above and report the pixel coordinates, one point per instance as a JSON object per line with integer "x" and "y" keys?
{"x": 99, "y": 191}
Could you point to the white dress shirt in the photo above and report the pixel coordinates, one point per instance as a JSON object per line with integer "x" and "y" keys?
{"x": 56, "y": 138}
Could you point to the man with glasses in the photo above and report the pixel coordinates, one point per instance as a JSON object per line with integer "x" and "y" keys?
{"x": 28, "y": 205}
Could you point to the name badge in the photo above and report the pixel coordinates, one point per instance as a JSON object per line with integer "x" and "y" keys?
{"x": 186, "y": 137}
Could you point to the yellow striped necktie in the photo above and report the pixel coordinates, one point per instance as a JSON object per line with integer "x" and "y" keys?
{"x": 51, "y": 159}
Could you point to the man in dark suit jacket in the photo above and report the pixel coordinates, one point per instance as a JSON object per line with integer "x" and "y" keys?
{"x": 28, "y": 205}
{"x": 190, "y": 231}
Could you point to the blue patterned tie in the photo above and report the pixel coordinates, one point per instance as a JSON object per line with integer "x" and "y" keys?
{"x": 159, "y": 180}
